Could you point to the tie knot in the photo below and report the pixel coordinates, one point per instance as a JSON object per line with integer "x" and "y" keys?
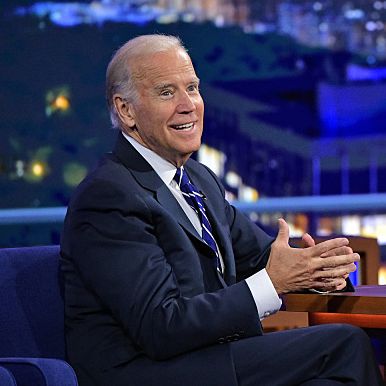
{"x": 181, "y": 177}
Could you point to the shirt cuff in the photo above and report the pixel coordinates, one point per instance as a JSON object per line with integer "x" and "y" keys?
{"x": 264, "y": 294}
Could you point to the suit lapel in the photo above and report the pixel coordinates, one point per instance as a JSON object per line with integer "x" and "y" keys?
{"x": 149, "y": 179}
{"x": 168, "y": 201}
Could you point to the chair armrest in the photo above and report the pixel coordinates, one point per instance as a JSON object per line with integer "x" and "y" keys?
{"x": 40, "y": 371}
{"x": 6, "y": 377}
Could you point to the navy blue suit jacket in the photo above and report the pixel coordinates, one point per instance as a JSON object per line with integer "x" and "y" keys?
{"x": 141, "y": 290}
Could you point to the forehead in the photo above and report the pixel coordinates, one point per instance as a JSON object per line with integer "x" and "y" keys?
{"x": 163, "y": 67}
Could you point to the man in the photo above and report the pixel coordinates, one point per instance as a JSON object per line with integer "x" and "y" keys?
{"x": 165, "y": 282}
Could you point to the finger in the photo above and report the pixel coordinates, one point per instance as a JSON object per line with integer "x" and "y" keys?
{"x": 308, "y": 240}
{"x": 339, "y": 284}
{"x": 330, "y": 285}
{"x": 346, "y": 250}
{"x": 333, "y": 273}
{"x": 335, "y": 261}
{"x": 327, "y": 245}
{"x": 283, "y": 233}
{"x": 342, "y": 286}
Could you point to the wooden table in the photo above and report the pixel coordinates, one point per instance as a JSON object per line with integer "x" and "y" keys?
{"x": 366, "y": 308}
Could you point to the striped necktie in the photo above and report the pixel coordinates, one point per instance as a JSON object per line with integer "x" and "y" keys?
{"x": 195, "y": 200}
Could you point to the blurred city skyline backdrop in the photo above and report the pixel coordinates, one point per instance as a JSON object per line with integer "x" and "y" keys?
{"x": 357, "y": 25}
{"x": 295, "y": 98}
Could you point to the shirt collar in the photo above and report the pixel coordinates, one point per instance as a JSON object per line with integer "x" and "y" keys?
{"x": 163, "y": 168}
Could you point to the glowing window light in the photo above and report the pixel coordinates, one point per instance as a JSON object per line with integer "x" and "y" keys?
{"x": 37, "y": 169}
{"x": 233, "y": 179}
{"x": 351, "y": 225}
{"x": 19, "y": 165}
{"x": 382, "y": 274}
{"x": 354, "y": 14}
{"x": 58, "y": 100}
{"x": 318, "y": 6}
{"x": 248, "y": 194}
{"x": 371, "y": 26}
{"x": 213, "y": 158}
{"x": 167, "y": 18}
{"x": 188, "y": 17}
{"x": 61, "y": 103}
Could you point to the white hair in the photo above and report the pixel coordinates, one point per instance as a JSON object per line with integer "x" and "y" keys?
{"x": 119, "y": 78}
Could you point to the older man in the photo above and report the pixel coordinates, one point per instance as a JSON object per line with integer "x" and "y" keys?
{"x": 165, "y": 282}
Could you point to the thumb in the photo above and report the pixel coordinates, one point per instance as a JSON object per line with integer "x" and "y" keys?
{"x": 283, "y": 234}
{"x": 308, "y": 240}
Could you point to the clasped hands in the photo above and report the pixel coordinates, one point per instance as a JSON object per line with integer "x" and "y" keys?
{"x": 322, "y": 267}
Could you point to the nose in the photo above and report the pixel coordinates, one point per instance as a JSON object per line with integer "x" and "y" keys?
{"x": 186, "y": 104}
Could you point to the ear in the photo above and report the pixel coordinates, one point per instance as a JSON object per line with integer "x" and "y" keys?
{"x": 124, "y": 110}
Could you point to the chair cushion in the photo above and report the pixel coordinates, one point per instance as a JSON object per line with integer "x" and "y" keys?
{"x": 40, "y": 372}
{"x": 31, "y": 304}
{"x": 6, "y": 377}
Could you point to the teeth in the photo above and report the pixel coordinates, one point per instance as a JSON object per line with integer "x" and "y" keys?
{"x": 181, "y": 127}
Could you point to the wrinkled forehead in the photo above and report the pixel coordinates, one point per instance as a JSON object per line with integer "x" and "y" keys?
{"x": 162, "y": 65}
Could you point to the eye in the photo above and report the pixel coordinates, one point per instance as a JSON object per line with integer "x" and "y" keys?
{"x": 166, "y": 93}
{"x": 193, "y": 88}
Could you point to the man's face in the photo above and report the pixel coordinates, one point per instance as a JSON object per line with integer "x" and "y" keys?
{"x": 168, "y": 112}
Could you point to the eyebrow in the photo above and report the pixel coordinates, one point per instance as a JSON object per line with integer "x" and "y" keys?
{"x": 162, "y": 86}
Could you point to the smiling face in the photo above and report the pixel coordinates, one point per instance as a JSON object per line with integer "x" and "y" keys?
{"x": 167, "y": 114}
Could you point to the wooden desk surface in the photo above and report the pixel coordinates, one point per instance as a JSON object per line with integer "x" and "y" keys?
{"x": 369, "y": 299}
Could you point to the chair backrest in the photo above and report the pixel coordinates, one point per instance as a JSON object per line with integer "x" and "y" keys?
{"x": 31, "y": 303}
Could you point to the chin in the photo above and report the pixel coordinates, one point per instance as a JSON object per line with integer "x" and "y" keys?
{"x": 193, "y": 149}
{"x": 190, "y": 147}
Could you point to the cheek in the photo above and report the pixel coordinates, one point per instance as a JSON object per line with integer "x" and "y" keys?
{"x": 162, "y": 115}
{"x": 150, "y": 119}
{"x": 200, "y": 107}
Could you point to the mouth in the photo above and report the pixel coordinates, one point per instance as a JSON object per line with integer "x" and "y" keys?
{"x": 183, "y": 127}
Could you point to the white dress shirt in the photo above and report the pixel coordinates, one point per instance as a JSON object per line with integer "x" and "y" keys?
{"x": 263, "y": 292}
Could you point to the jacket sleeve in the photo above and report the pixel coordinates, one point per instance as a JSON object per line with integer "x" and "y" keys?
{"x": 113, "y": 240}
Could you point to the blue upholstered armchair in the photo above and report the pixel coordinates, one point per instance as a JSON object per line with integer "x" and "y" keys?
{"x": 32, "y": 347}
